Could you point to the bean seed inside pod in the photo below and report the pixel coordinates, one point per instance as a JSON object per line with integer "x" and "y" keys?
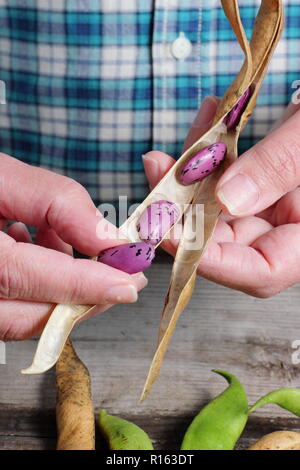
{"x": 156, "y": 220}
{"x": 203, "y": 163}
{"x": 130, "y": 257}
{"x": 233, "y": 117}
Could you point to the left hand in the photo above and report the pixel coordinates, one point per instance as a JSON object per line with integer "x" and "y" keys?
{"x": 255, "y": 247}
{"x": 34, "y": 277}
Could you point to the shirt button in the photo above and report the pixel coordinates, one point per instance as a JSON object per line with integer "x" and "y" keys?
{"x": 181, "y": 47}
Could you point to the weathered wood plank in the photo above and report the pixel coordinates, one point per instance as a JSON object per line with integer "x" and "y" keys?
{"x": 26, "y": 443}
{"x": 35, "y": 429}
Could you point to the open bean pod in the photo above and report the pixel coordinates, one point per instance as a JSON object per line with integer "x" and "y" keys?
{"x": 266, "y": 34}
{"x": 186, "y": 197}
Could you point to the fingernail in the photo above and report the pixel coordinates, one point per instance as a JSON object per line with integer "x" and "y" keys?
{"x": 141, "y": 280}
{"x": 122, "y": 293}
{"x": 239, "y": 195}
{"x": 206, "y": 112}
{"x": 24, "y": 229}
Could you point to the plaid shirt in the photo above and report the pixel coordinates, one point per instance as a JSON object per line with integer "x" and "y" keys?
{"x": 92, "y": 85}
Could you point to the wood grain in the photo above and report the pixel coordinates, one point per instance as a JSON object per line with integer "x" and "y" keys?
{"x": 221, "y": 329}
{"x": 35, "y": 429}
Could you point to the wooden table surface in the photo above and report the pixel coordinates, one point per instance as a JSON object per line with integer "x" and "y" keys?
{"x": 222, "y": 329}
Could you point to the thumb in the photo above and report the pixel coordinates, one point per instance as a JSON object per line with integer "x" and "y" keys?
{"x": 203, "y": 120}
{"x": 263, "y": 174}
{"x": 157, "y": 164}
{"x": 35, "y": 273}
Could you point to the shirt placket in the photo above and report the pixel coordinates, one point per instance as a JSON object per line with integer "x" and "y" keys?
{"x": 176, "y": 70}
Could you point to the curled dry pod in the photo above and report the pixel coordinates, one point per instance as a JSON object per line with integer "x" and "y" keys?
{"x": 286, "y": 398}
{"x": 157, "y": 220}
{"x": 234, "y": 116}
{"x": 130, "y": 257}
{"x": 219, "y": 424}
{"x": 266, "y": 33}
{"x": 203, "y": 163}
{"x": 279, "y": 440}
{"x": 123, "y": 435}
{"x": 74, "y": 406}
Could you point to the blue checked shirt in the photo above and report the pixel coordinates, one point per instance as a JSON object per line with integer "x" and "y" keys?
{"x": 91, "y": 85}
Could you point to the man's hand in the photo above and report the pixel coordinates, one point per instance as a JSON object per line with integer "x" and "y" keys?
{"x": 256, "y": 245}
{"x": 32, "y": 277}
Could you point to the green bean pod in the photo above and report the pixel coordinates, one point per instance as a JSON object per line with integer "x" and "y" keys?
{"x": 286, "y": 398}
{"x": 123, "y": 435}
{"x": 219, "y": 424}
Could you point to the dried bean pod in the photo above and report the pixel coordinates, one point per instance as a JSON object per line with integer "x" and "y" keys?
{"x": 74, "y": 405}
{"x": 234, "y": 116}
{"x": 156, "y": 220}
{"x": 130, "y": 257}
{"x": 203, "y": 163}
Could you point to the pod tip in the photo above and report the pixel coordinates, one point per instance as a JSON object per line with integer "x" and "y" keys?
{"x": 143, "y": 396}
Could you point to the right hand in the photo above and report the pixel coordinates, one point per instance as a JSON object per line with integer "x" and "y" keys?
{"x": 34, "y": 277}
{"x": 255, "y": 246}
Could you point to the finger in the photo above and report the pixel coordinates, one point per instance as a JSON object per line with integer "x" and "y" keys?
{"x": 289, "y": 111}
{"x": 202, "y": 121}
{"x": 229, "y": 261}
{"x": 263, "y": 269}
{"x": 19, "y": 232}
{"x": 280, "y": 248}
{"x": 20, "y": 320}
{"x": 267, "y": 213}
{"x": 264, "y": 173}
{"x": 156, "y": 165}
{"x": 31, "y": 272}
{"x": 234, "y": 265}
{"x": 48, "y": 238}
{"x": 140, "y": 281}
{"x": 287, "y": 209}
{"x": 41, "y": 198}
{"x": 244, "y": 231}
{"x": 284, "y": 211}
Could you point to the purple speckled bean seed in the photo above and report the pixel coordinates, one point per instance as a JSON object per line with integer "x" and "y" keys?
{"x": 203, "y": 163}
{"x": 156, "y": 220}
{"x": 233, "y": 117}
{"x": 130, "y": 257}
